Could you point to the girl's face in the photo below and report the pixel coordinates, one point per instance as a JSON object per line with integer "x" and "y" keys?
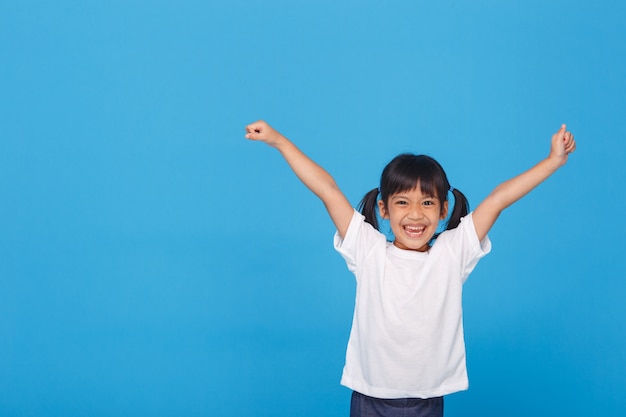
{"x": 414, "y": 218}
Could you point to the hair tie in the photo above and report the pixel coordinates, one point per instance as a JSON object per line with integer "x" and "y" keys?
{"x": 452, "y": 190}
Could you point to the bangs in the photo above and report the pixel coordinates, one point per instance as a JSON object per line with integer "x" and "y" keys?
{"x": 407, "y": 170}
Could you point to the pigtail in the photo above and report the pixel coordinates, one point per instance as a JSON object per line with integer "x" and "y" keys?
{"x": 368, "y": 206}
{"x": 460, "y": 210}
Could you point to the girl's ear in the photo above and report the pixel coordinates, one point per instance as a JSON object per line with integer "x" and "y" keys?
{"x": 382, "y": 210}
{"x": 444, "y": 210}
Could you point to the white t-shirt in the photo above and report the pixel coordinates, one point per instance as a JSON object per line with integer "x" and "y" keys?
{"x": 407, "y": 331}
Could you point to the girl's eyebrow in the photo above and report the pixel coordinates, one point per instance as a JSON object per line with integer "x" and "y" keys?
{"x": 400, "y": 195}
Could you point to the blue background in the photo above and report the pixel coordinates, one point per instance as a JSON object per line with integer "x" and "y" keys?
{"x": 154, "y": 262}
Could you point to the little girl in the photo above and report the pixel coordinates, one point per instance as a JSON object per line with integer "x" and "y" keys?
{"x": 406, "y": 348}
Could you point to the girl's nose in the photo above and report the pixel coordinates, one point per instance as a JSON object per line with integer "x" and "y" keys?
{"x": 415, "y": 213}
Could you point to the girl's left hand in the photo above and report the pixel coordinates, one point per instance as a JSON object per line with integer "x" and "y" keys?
{"x": 563, "y": 144}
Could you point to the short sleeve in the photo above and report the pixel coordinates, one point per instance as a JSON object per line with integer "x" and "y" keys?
{"x": 463, "y": 242}
{"x": 358, "y": 242}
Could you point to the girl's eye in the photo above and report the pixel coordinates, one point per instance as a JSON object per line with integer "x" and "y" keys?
{"x": 401, "y": 202}
{"x": 429, "y": 203}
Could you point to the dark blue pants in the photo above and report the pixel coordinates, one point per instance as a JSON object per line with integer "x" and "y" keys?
{"x": 364, "y": 406}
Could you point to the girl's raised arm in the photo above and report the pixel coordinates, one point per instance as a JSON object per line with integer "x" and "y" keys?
{"x": 312, "y": 175}
{"x": 512, "y": 190}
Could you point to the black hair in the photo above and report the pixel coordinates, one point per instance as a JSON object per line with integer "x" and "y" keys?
{"x": 402, "y": 174}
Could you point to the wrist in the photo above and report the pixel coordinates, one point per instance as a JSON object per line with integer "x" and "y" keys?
{"x": 281, "y": 143}
{"x": 555, "y": 162}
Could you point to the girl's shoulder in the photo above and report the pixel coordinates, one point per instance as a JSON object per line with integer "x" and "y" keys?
{"x": 462, "y": 241}
{"x": 361, "y": 239}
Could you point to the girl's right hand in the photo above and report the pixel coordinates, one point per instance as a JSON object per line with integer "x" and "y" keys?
{"x": 312, "y": 175}
{"x": 263, "y": 132}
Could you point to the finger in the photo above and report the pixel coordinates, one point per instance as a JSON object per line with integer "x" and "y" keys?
{"x": 571, "y": 148}
{"x": 254, "y": 127}
{"x": 560, "y": 134}
{"x": 252, "y": 132}
{"x": 567, "y": 140}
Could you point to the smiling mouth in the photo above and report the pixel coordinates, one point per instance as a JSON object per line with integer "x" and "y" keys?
{"x": 414, "y": 231}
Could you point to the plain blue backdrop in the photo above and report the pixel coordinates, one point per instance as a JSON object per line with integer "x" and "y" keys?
{"x": 154, "y": 262}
